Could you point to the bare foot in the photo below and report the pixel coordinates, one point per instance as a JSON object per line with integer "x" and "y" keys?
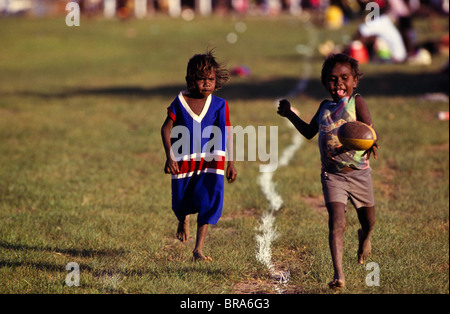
{"x": 364, "y": 248}
{"x": 337, "y": 284}
{"x": 199, "y": 257}
{"x": 183, "y": 230}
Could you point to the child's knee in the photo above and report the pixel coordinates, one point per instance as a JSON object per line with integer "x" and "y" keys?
{"x": 338, "y": 225}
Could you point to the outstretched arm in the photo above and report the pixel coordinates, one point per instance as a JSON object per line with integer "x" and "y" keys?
{"x": 307, "y": 130}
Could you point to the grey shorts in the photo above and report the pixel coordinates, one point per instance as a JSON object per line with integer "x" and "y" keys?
{"x": 355, "y": 185}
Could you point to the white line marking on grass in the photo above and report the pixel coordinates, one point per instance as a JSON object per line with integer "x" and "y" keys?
{"x": 267, "y": 230}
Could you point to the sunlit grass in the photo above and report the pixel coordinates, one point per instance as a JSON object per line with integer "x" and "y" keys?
{"x": 81, "y": 166}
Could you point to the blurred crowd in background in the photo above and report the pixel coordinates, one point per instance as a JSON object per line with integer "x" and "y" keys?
{"x": 349, "y": 9}
{"x": 391, "y": 39}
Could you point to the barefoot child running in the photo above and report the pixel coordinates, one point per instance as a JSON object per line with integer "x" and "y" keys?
{"x": 194, "y": 136}
{"x": 346, "y": 174}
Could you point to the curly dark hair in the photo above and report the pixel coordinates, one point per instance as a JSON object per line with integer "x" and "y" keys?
{"x": 201, "y": 65}
{"x": 341, "y": 58}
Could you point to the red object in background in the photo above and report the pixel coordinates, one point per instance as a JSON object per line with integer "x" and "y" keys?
{"x": 241, "y": 71}
{"x": 359, "y": 52}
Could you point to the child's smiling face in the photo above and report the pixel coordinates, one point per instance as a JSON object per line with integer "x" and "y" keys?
{"x": 341, "y": 82}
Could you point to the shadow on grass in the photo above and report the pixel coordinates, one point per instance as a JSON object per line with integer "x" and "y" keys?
{"x": 72, "y": 252}
{"x": 174, "y": 269}
{"x": 390, "y": 84}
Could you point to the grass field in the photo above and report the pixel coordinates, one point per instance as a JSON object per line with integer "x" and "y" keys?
{"x": 81, "y": 161}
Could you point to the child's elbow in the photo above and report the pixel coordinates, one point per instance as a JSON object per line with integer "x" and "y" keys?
{"x": 166, "y": 127}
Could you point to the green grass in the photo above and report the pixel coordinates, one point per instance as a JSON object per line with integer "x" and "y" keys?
{"x": 81, "y": 161}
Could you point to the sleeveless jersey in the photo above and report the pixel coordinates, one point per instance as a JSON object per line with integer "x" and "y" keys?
{"x": 199, "y": 145}
{"x": 333, "y": 155}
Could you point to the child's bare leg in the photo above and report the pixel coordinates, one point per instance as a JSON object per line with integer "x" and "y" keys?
{"x": 198, "y": 250}
{"x": 366, "y": 216}
{"x": 183, "y": 229}
{"x": 336, "y": 225}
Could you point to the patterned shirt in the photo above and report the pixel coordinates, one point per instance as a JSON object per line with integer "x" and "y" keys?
{"x": 333, "y": 155}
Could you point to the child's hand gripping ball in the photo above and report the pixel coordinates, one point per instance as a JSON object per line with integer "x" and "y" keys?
{"x": 357, "y": 135}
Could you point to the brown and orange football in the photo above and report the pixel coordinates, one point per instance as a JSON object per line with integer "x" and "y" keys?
{"x": 357, "y": 135}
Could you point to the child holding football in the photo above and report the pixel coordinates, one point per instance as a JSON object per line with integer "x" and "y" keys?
{"x": 346, "y": 174}
{"x": 196, "y": 160}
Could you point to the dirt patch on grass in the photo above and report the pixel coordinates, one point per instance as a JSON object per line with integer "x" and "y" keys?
{"x": 439, "y": 148}
{"x": 269, "y": 286}
{"x": 276, "y": 280}
{"x": 253, "y": 286}
{"x": 384, "y": 179}
{"x": 316, "y": 202}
